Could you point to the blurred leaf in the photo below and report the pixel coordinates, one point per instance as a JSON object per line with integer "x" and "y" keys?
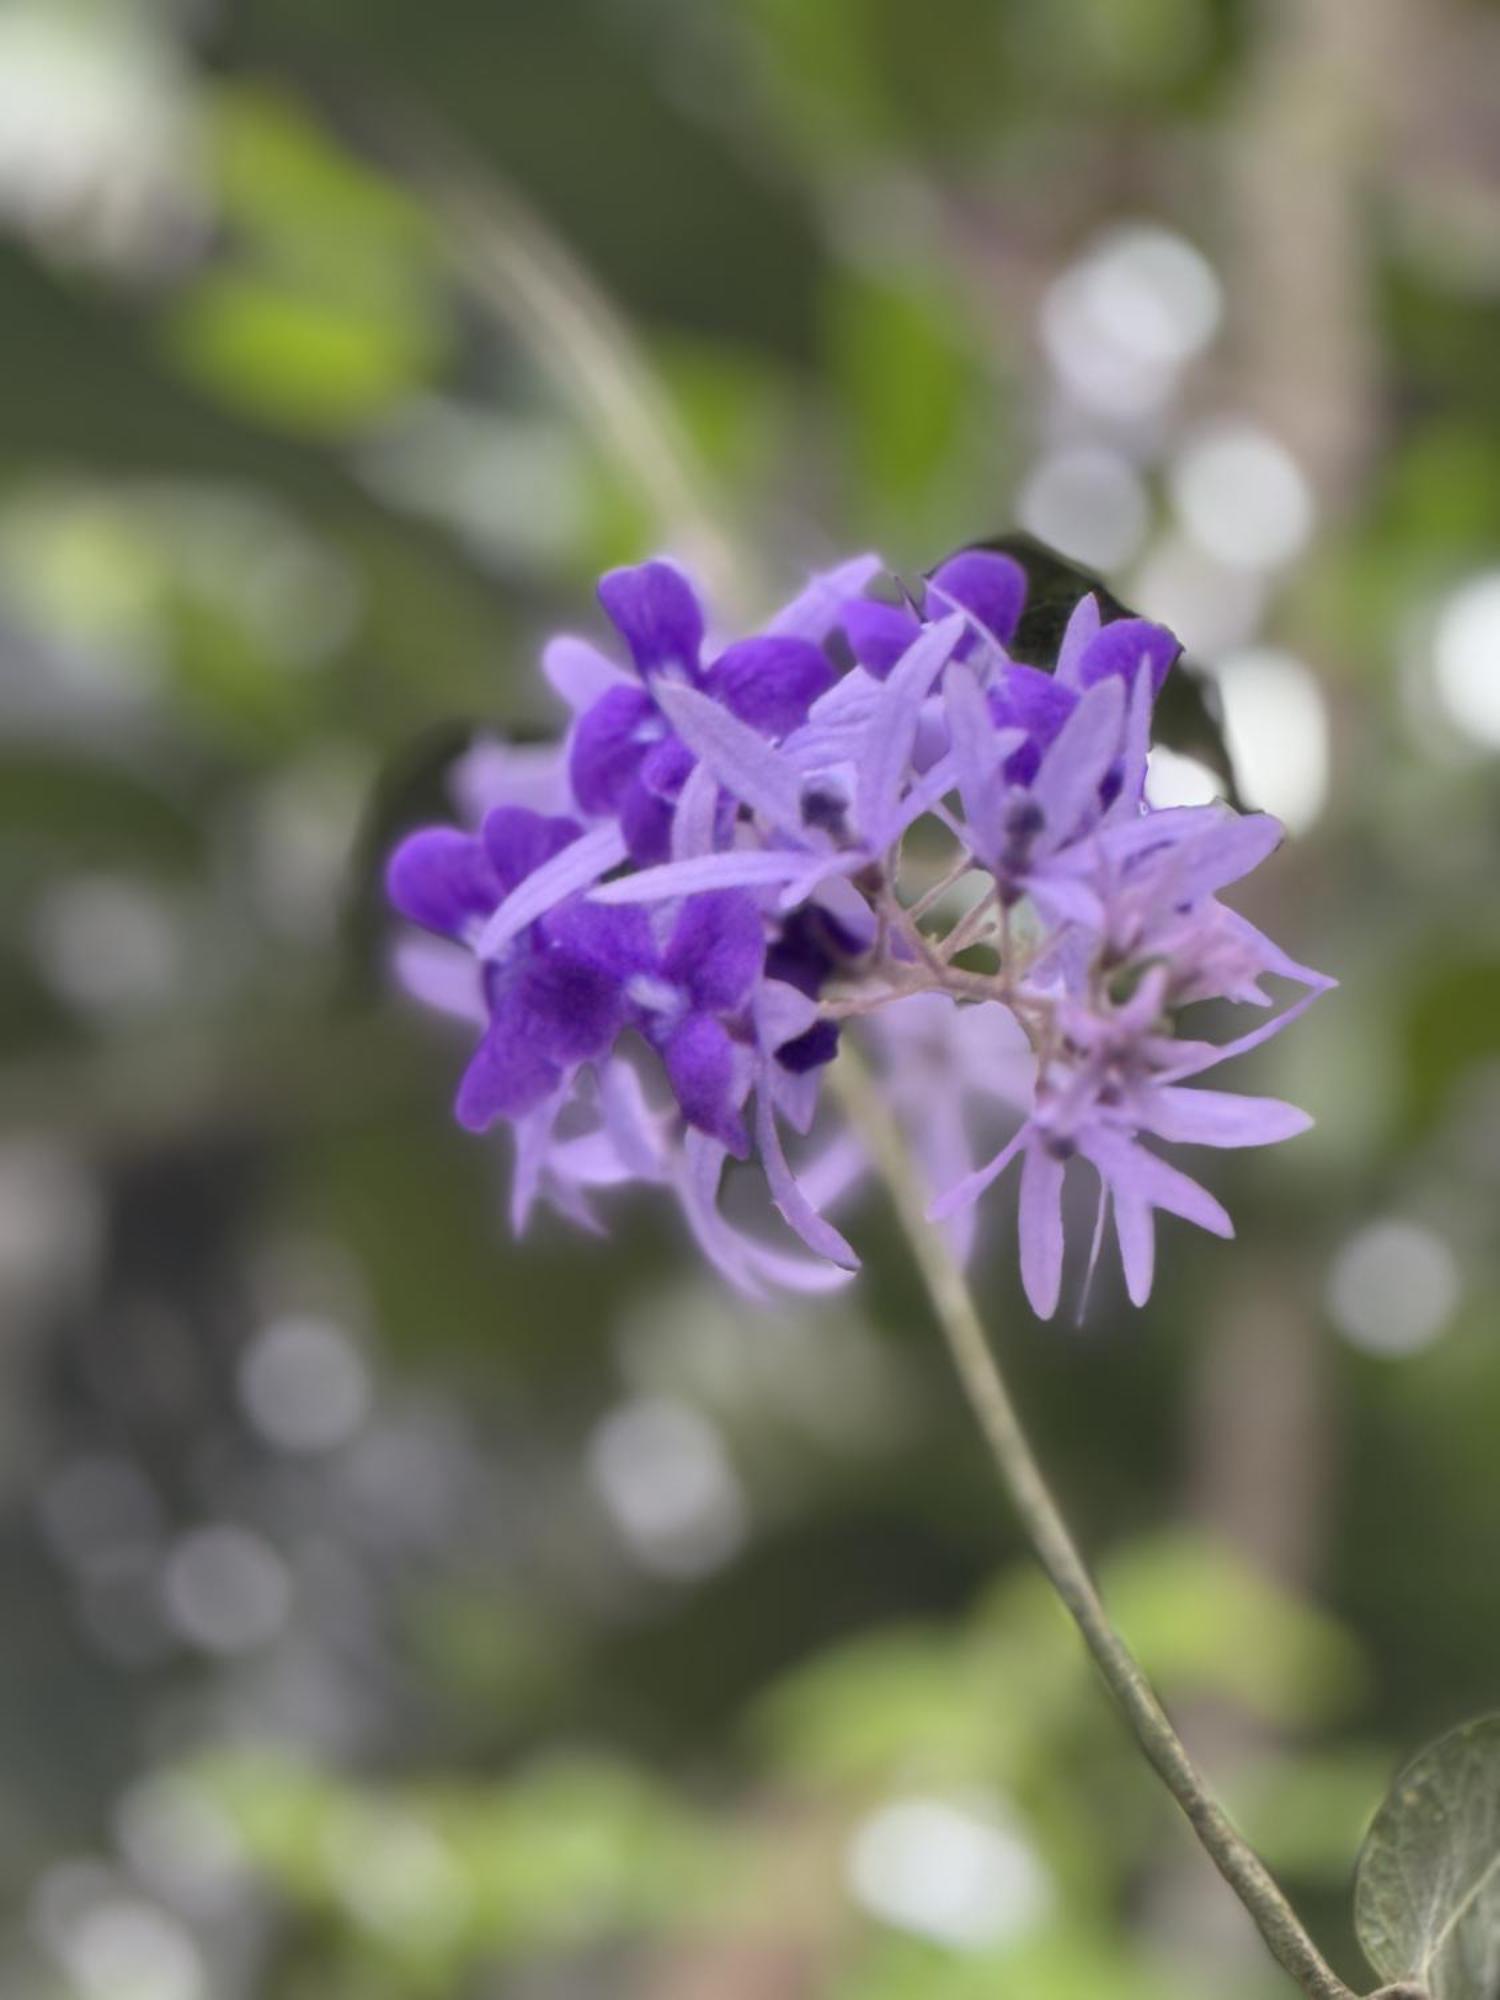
{"x": 907, "y": 388}
{"x": 581, "y": 1847}
{"x": 305, "y": 362}
{"x": 820, "y": 62}
{"x": 1093, "y": 51}
{"x": 1202, "y": 1619}
{"x": 903, "y": 1701}
{"x": 1066, "y": 1961}
{"x": 92, "y": 812}
{"x": 1188, "y": 716}
{"x": 1307, "y": 1814}
{"x": 563, "y": 1853}
{"x": 1451, "y": 1026}
{"x": 284, "y": 181}
{"x": 1427, "y": 1898}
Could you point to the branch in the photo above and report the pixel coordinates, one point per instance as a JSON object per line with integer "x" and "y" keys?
{"x": 1054, "y": 1547}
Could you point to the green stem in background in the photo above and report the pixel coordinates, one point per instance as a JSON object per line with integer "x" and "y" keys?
{"x": 1053, "y": 1544}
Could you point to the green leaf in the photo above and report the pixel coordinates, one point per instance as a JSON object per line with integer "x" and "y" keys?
{"x": 1427, "y": 1897}
{"x": 306, "y": 363}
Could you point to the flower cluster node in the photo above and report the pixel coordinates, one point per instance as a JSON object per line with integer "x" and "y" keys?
{"x": 869, "y": 818}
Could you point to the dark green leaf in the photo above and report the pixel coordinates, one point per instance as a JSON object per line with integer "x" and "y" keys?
{"x": 1188, "y": 715}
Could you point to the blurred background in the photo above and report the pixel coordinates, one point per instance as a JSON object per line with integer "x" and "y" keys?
{"x": 393, "y": 1613}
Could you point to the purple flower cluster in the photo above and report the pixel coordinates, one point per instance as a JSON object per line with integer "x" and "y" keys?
{"x": 866, "y": 819}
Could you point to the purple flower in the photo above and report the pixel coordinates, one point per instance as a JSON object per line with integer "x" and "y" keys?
{"x": 687, "y": 996}
{"x": 625, "y": 759}
{"x": 990, "y": 589}
{"x": 663, "y": 929}
{"x": 547, "y": 1008}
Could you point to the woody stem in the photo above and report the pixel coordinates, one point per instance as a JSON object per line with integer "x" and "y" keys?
{"x": 1052, "y": 1543}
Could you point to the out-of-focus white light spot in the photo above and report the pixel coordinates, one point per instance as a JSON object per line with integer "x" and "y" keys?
{"x": 98, "y": 140}
{"x": 124, "y": 1948}
{"x": 226, "y": 1589}
{"x": 1123, "y": 320}
{"x": 510, "y": 488}
{"x": 304, "y": 1385}
{"x": 49, "y": 1221}
{"x": 108, "y": 945}
{"x": 180, "y": 1845}
{"x": 67, "y": 1891}
{"x": 306, "y": 821}
{"x": 1088, "y": 503}
{"x": 1175, "y": 780}
{"x": 1209, "y": 605}
{"x": 99, "y": 1513}
{"x": 962, "y": 1877}
{"x": 1276, "y": 729}
{"x": 661, "y": 1469}
{"x": 1393, "y": 1287}
{"x": 121, "y": 1613}
{"x": 397, "y": 1876}
{"x": 1242, "y": 496}
{"x": 1466, "y": 658}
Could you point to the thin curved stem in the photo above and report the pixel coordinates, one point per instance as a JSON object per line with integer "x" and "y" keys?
{"x": 1058, "y": 1554}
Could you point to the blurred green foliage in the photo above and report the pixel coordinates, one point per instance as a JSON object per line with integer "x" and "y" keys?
{"x": 287, "y": 502}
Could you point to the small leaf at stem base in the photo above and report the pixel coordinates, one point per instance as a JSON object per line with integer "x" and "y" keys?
{"x": 1427, "y": 1895}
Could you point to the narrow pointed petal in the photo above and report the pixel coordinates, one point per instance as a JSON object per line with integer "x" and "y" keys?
{"x": 1219, "y": 1118}
{"x": 634, "y": 1129}
{"x": 892, "y": 730}
{"x": 491, "y": 773}
{"x": 1164, "y": 1187}
{"x": 739, "y": 757}
{"x": 1135, "y": 1230}
{"x": 1041, "y": 1229}
{"x": 1199, "y": 1056}
{"x": 577, "y": 867}
{"x": 813, "y": 613}
{"x": 742, "y": 867}
{"x": 1137, "y": 750}
{"x": 816, "y": 1232}
{"x": 972, "y": 1186}
{"x": 580, "y": 673}
{"x": 1227, "y": 852}
{"x": 533, "y": 1148}
{"x": 1082, "y": 625}
{"x": 782, "y": 1013}
{"x": 654, "y": 609}
{"x": 976, "y": 767}
{"x": 1067, "y": 785}
{"x": 442, "y": 976}
{"x": 695, "y": 818}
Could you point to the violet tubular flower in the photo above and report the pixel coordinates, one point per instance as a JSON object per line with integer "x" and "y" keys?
{"x": 625, "y": 758}
{"x": 867, "y": 818}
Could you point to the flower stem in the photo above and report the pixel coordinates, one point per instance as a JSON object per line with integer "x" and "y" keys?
{"x": 1055, "y": 1548}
